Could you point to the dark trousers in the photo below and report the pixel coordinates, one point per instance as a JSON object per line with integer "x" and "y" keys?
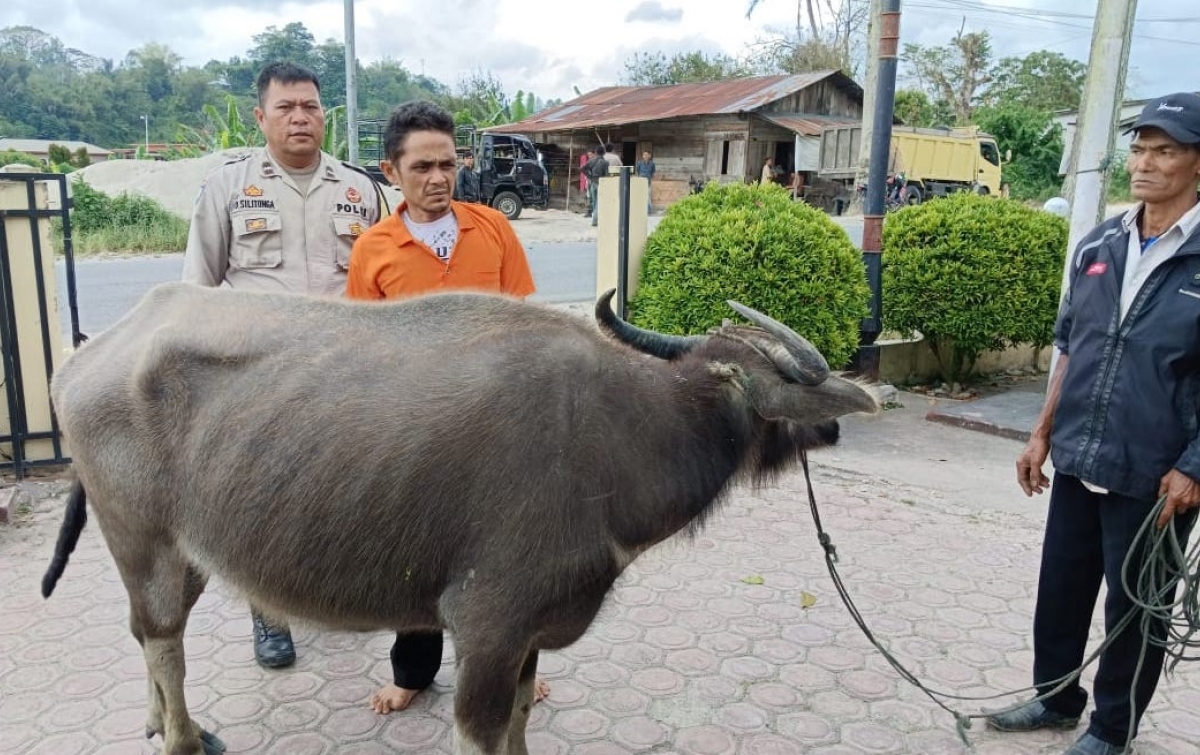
{"x": 416, "y": 658}
{"x": 1087, "y": 538}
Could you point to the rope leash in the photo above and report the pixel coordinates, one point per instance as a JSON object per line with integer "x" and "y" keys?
{"x": 1164, "y": 563}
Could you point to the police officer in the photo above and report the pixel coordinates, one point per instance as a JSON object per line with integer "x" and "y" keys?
{"x": 282, "y": 218}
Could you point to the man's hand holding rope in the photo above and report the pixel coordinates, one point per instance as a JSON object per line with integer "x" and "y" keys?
{"x": 1182, "y": 493}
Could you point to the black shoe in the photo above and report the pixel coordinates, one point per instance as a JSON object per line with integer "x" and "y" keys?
{"x": 273, "y": 646}
{"x": 1031, "y": 717}
{"x": 1091, "y": 745}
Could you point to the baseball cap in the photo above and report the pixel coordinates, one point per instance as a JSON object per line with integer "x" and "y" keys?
{"x": 1176, "y": 114}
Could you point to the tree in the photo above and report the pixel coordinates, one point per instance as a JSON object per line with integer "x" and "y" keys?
{"x": 955, "y": 73}
{"x": 1041, "y": 80}
{"x": 155, "y": 67}
{"x": 293, "y": 43}
{"x": 1036, "y": 143}
{"x": 656, "y": 69}
{"x": 839, "y": 44}
{"x": 814, "y": 9}
{"x": 330, "y": 67}
{"x": 914, "y": 108}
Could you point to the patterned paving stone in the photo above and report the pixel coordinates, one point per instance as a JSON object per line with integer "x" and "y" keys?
{"x": 685, "y": 658}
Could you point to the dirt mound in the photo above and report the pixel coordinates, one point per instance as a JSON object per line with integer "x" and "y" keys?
{"x": 174, "y": 184}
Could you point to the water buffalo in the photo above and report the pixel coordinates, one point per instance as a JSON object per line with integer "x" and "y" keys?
{"x": 497, "y": 463}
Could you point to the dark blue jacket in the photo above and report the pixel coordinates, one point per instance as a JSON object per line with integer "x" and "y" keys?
{"x": 1129, "y": 404}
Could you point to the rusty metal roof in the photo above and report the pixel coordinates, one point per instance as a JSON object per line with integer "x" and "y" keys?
{"x": 807, "y": 124}
{"x": 615, "y": 106}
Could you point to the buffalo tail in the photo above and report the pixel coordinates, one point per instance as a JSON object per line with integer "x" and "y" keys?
{"x": 73, "y": 521}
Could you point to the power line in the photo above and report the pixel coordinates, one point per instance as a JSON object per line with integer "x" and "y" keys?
{"x": 968, "y": 8}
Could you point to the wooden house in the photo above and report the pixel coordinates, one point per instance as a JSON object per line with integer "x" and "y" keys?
{"x": 721, "y": 130}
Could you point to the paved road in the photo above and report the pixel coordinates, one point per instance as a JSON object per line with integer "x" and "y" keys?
{"x": 110, "y": 287}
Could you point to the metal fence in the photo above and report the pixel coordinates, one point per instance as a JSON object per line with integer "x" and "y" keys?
{"x": 20, "y": 436}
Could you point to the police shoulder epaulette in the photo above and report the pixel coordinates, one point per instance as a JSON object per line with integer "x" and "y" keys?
{"x": 238, "y": 159}
{"x": 358, "y": 169}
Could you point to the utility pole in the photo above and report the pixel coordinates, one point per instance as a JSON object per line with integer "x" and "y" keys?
{"x": 881, "y": 144}
{"x": 351, "y": 87}
{"x": 1099, "y": 112}
{"x": 1086, "y": 185}
{"x": 869, "y": 87}
{"x": 146, "y": 125}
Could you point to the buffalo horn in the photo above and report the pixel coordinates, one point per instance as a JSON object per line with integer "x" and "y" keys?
{"x": 806, "y": 364}
{"x": 646, "y": 341}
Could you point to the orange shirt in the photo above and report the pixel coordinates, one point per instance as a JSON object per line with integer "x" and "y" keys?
{"x": 388, "y": 263}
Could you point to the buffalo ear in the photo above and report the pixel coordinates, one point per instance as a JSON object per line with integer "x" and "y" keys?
{"x": 811, "y": 404}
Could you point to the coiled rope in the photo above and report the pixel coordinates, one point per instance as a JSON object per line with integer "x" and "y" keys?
{"x": 1165, "y": 562}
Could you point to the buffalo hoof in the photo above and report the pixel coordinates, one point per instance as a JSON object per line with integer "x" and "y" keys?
{"x": 212, "y": 744}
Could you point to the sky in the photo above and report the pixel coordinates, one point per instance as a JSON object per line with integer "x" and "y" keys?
{"x": 553, "y": 48}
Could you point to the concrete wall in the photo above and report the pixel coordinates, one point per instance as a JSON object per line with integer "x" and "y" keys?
{"x": 905, "y": 361}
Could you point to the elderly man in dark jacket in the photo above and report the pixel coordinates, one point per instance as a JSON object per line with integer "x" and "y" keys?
{"x": 1120, "y": 426}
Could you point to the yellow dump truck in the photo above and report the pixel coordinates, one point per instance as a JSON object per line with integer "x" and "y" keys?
{"x": 935, "y": 161}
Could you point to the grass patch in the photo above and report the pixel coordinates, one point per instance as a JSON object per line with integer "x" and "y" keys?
{"x": 126, "y": 223}
{"x": 168, "y": 236}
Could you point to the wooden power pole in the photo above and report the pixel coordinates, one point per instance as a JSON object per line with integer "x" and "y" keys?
{"x": 1086, "y": 184}
{"x": 869, "y": 85}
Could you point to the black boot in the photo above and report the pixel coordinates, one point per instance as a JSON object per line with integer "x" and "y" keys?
{"x": 273, "y": 646}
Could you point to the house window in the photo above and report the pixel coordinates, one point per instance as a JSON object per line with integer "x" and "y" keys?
{"x": 725, "y": 158}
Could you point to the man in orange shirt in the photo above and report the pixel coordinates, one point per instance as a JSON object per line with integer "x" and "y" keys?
{"x": 430, "y": 243}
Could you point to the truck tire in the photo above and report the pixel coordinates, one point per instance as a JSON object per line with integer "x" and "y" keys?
{"x": 508, "y": 203}
{"x": 982, "y": 190}
{"x": 914, "y": 195}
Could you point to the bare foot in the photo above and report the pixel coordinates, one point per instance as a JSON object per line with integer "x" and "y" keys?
{"x": 390, "y": 697}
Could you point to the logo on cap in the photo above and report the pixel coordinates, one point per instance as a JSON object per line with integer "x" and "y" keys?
{"x": 1170, "y": 108}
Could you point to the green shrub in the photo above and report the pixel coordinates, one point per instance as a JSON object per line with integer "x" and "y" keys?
{"x": 100, "y": 223}
{"x": 12, "y": 157}
{"x": 753, "y": 244}
{"x": 972, "y": 274}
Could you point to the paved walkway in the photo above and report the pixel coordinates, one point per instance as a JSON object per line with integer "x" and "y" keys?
{"x": 692, "y": 655}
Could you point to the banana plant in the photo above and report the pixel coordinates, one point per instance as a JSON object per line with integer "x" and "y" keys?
{"x": 335, "y": 142}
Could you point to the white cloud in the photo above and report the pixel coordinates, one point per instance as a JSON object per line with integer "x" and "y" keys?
{"x": 551, "y": 48}
{"x": 653, "y": 12}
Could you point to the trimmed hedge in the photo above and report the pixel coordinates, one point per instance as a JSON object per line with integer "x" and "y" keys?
{"x": 972, "y": 274}
{"x": 753, "y": 244}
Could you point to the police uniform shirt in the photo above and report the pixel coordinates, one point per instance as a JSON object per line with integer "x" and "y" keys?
{"x": 254, "y": 228}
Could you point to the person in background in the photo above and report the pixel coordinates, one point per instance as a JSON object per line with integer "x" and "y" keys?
{"x": 583, "y": 179}
{"x": 280, "y": 218}
{"x": 431, "y": 243}
{"x": 645, "y": 168}
{"x": 610, "y": 154}
{"x": 768, "y": 172}
{"x": 466, "y": 184}
{"x": 597, "y": 168}
{"x": 1120, "y": 425}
